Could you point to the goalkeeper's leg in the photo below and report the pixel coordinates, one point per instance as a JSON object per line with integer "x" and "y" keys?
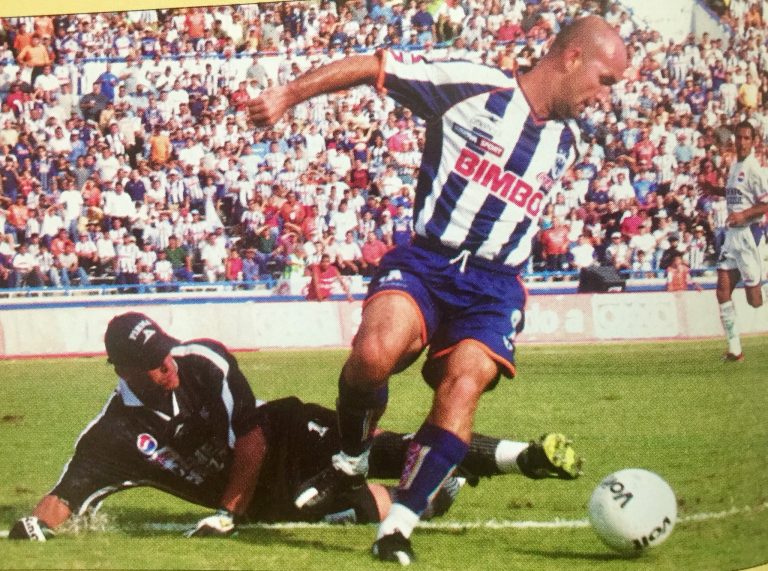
{"x": 551, "y": 456}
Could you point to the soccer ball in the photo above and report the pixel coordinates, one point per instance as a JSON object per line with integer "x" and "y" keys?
{"x": 633, "y": 510}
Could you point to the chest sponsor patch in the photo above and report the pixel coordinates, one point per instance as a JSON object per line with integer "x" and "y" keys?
{"x": 481, "y": 142}
{"x": 146, "y": 443}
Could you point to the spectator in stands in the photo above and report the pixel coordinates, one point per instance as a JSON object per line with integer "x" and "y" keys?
{"x": 555, "y": 246}
{"x": 324, "y": 276}
{"x": 93, "y": 103}
{"x": 233, "y": 266}
{"x": 69, "y": 267}
{"x": 349, "y": 256}
{"x": 678, "y": 275}
{"x": 181, "y": 260}
{"x": 213, "y": 255}
{"x": 126, "y": 260}
{"x": 671, "y": 252}
{"x": 618, "y": 254}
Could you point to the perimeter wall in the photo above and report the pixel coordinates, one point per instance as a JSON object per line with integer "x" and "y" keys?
{"x": 76, "y": 327}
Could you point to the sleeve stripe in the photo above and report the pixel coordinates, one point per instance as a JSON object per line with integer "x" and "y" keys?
{"x": 221, "y": 363}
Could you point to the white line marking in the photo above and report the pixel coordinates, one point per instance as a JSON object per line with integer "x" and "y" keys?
{"x": 457, "y": 525}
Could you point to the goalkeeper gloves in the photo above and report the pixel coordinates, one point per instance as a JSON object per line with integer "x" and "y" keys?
{"x": 32, "y": 529}
{"x": 220, "y": 524}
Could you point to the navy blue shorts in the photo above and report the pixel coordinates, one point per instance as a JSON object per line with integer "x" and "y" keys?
{"x": 484, "y": 302}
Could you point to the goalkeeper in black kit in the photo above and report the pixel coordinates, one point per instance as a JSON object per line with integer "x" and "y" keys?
{"x": 183, "y": 419}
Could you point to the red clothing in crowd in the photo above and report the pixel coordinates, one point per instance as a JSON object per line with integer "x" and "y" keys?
{"x": 644, "y": 151}
{"x": 554, "y": 241}
{"x": 373, "y": 251}
{"x": 322, "y": 281}
{"x": 630, "y": 226}
{"x": 508, "y": 32}
{"x": 678, "y": 278}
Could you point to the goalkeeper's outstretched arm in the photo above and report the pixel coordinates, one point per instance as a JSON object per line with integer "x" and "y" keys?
{"x": 49, "y": 514}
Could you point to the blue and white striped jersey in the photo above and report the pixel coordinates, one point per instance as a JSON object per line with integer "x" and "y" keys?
{"x": 488, "y": 162}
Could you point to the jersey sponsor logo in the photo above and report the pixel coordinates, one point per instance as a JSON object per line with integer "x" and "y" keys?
{"x": 481, "y": 142}
{"x": 733, "y": 196}
{"x": 505, "y": 184}
{"x": 488, "y": 124}
{"x": 146, "y": 443}
{"x": 170, "y": 460}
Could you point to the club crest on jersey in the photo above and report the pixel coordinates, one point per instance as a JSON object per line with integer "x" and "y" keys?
{"x": 146, "y": 443}
{"x": 481, "y": 141}
{"x": 741, "y": 176}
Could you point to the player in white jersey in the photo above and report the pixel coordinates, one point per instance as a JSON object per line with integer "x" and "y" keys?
{"x": 495, "y": 146}
{"x": 746, "y": 195}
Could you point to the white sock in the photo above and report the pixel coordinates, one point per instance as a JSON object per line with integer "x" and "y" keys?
{"x": 507, "y": 452}
{"x": 728, "y": 319}
{"x": 399, "y": 518}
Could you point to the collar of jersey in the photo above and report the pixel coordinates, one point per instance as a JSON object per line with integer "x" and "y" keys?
{"x": 130, "y": 399}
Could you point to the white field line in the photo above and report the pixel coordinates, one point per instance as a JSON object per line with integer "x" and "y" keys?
{"x": 557, "y": 523}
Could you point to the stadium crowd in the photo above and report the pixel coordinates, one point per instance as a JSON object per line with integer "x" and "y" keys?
{"x": 153, "y": 174}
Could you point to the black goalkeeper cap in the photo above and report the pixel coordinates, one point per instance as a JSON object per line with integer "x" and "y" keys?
{"x": 134, "y": 340}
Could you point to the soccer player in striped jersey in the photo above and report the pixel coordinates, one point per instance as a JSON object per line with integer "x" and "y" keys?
{"x": 746, "y": 196}
{"x": 495, "y": 146}
{"x": 184, "y": 420}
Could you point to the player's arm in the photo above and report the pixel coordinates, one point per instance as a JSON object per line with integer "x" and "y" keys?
{"x": 249, "y": 450}
{"x": 88, "y": 478}
{"x": 343, "y": 74}
{"x": 49, "y": 514}
{"x": 344, "y": 286}
{"x": 747, "y": 215}
{"x": 709, "y": 188}
{"x": 249, "y": 453}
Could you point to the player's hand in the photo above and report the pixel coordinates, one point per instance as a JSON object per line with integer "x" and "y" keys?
{"x": 220, "y": 524}
{"x": 31, "y": 529}
{"x": 268, "y": 107}
{"x": 736, "y": 219}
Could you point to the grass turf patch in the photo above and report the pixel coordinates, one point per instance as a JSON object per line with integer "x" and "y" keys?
{"x": 670, "y": 407}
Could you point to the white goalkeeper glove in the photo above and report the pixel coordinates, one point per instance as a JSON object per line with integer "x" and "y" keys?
{"x": 220, "y": 524}
{"x": 32, "y": 529}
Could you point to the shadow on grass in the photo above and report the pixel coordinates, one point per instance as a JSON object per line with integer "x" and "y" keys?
{"x": 565, "y": 555}
{"x": 559, "y": 555}
{"x": 145, "y": 523}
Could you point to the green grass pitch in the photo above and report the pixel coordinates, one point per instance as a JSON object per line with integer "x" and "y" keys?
{"x": 670, "y": 407}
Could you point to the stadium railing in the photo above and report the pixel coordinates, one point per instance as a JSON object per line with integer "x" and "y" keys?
{"x": 540, "y": 283}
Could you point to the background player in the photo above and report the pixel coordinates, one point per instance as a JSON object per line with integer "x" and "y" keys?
{"x": 746, "y": 196}
{"x": 182, "y": 418}
{"x": 494, "y": 147}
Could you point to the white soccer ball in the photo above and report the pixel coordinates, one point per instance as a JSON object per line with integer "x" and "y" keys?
{"x": 633, "y": 510}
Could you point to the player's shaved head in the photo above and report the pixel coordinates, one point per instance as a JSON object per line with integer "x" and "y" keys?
{"x": 594, "y": 37}
{"x": 584, "y": 61}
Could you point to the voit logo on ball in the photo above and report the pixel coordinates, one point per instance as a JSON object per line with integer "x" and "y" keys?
{"x": 146, "y": 443}
{"x": 633, "y": 510}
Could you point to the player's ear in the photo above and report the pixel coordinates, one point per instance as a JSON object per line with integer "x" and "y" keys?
{"x": 572, "y": 58}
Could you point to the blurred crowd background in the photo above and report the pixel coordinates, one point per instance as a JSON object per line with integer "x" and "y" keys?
{"x": 127, "y": 156}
